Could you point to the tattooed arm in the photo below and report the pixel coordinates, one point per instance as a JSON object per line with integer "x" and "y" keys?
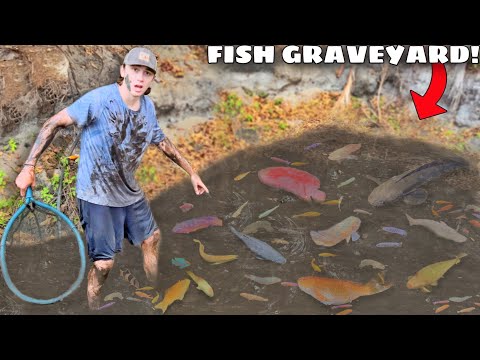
{"x": 173, "y": 154}
{"x": 48, "y": 131}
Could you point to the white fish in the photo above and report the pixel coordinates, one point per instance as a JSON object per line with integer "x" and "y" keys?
{"x": 438, "y": 228}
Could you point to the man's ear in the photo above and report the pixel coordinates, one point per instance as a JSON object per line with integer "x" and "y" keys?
{"x": 122, "y": 70}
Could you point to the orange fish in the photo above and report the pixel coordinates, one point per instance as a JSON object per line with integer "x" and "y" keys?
{"x": 336, "y": 292}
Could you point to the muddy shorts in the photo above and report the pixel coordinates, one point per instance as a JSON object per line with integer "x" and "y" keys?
{"x": 105, "y": 227}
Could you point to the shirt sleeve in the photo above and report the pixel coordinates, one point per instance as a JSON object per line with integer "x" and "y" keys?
{"x": 83, "y": 109}
{"x": 158, "y": 135}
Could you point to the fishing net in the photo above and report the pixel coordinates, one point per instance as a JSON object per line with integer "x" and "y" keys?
{"x": 42, "y": 253}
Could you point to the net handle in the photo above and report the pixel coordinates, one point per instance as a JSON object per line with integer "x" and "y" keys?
{"x": 29, "y": 199}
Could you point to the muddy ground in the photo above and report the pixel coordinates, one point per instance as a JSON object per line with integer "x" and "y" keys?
{"x": 380, "y": 158}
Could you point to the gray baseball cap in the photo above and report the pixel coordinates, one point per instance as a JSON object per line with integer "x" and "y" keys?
{"x": 141, "y": 56}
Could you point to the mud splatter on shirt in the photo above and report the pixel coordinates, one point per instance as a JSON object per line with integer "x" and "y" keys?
{"x": 113, "y": 141}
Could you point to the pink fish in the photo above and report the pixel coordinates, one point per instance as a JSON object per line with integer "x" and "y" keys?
{"x": 280, "y": 160}
{"x": 186, "y": 207}
{"x": 189, "y": 226}
{"x": 301, "y": 183}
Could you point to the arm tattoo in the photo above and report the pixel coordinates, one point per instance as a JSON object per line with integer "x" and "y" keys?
{"x": 44, "y": 138}
{"x": 173, "y": 154}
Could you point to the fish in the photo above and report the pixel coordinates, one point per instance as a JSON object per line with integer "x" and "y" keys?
{"x": 416, "y": 197}
{"x": 344, "y": 152}
{"x": 112, "y": 296}
{"x": 241, "y": 176}
{"x": 252, "y": 297}
{"x": 430, "y": 274}
{"x": 288, "y": 284}
{"x": 438, "y": 228}
{"x": 264, "y": 280}
{"x": 185, "y": 207}
{"x": 106, "y": 306}
{"x": 394, "y": 230}
{"x": 268, "y": 212}
{"x": 173, "y": 293}
{"x": 260, "y": 248}
{"x": 180, "y": 262}
{"x": 401, "y": 185}
{"x": 466, "y": 310}
{"x": 389, "y": 244}
{"x": 280, "y": 160}
{"x": 307, "y": 214}
{"x": 191, "y": 225}
{"x": 203, "y": 285}
{"x": 254, "y": 227}
{"x": 214, "y": 259}
{"x": 374, "y": 264}
{"x": 333, "y": 235}
{"x": 298, "y": 182}
{"x": 239, "y": 210}
{"x": 128, "y": 276}
{"x": 347, "y": 182}
{"x": 331, "y": 291}
{"x": 360, "y": 211}
{"x": 312, "y": 146}
{"x": 143, "y": 295}
{"x": 344, "y": 312}
{"x": 441, "y": 308}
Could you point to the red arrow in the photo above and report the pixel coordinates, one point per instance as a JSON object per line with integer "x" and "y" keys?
{"x": 426, "y": 105}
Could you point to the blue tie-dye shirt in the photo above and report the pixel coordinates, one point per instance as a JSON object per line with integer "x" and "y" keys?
{"x": 113, "y": 141}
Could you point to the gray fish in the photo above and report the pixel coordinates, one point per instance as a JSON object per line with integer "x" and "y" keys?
{"x": 260, "y": 248}
{"x": 403, "y": 184}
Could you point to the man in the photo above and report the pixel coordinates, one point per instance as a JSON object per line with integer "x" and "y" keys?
{"x": 117, "y": 122}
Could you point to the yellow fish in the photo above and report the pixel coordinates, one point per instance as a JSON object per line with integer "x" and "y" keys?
{"x": 315, "y": 266}
{"x": 241, "y": 176}
{"x": 298, "y": 163}
{"x": 308, "y": 214}
{"x": 214, "y": 259}
{"x": 429, "y": 275}
{"x": 173, "y": 293}
{"x": 202, "y": 284}
{"x": 253, "y": 297}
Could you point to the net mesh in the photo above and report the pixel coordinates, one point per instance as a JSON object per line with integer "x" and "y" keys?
{"x": 41, "y": 253}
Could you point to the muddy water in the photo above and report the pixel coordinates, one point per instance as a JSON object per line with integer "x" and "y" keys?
{"x": 380, "y": 158}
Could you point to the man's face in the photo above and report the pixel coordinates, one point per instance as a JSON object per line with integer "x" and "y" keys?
{"x": 137, "y": 78}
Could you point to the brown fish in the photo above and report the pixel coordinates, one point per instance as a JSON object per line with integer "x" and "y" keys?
{"x": 336, "y": 292}
{"x": 173, "y": 293}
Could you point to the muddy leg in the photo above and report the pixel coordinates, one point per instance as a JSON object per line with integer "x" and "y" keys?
{"x": 150, "y": 248}
{"x": 96, "y": 277}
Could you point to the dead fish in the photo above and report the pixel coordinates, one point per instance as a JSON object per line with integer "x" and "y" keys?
{"x": 312, "y": 146}
{"x": 106, "y": 306}
{"x": 264, "y": 280}
{"x": 466, "y": 310}
{"x": 315, "y": 267}
{"x": 239, "y": 210}
{"x": 344, "y": 312}
{"x": 374, "y": 264}
{"x": 344, "y": 152}
{"x": 416, "y": 197}
{"x": 337, "y": 292}
{"x": 430, "y": 274}
{"x": 333, "y": 235}
{"x": 173, "y": 293}
{"x": 127, "y": 276}
{"x": 113, "y": 296}
{"x": 185, "y": 207}
{"x": 252, "y": 297}
{"x": 401, "y": 185}
{"x": 280, "y": 160}
{"x": 389, "y": 244}
{"x": 288, "y": 284}
{"x": 459, "y": 299}
{"x": 280, "y": 242}
{"x": 341, "y": 306}
{"x": 203, "y": 285}
{"x": 394, "y": 230}
{"x": 441, "y": 308}
{"x": 308, "y": 214}
{"x": 260, "y": 248}
{"x": 241, "y": 176}
{"x": 301, "y": 183}
{"x": 214, "y": 259}
{"x": 268, "y": 212}
{"x": 143, "y": 295}
{"x": 360, "y": 211}
{"x": 438, "y": 228}
{"x": 347, "y": 182}
{"x": 254, "y": 227}
{"x": 191, "y": 225}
